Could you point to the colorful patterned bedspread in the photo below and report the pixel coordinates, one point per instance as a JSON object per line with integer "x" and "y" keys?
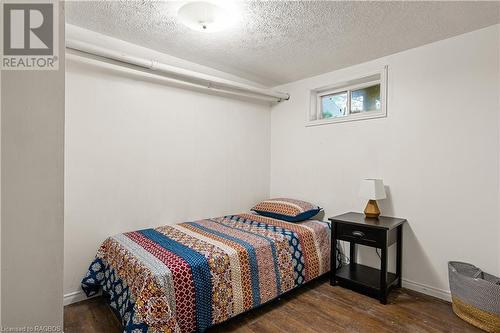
{"x": 190, "y": 276}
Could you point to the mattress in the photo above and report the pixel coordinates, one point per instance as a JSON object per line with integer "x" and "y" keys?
{"x": 190, "y": 276}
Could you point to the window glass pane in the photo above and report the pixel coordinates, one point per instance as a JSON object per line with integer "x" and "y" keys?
{"x": 365, "y": 99}
{"x": 334, "y": 105}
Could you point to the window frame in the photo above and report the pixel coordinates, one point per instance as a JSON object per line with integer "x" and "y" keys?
{"x": 345, "y": 86}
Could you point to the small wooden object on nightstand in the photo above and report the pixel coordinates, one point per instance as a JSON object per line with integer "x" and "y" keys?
{"x": 379, "y": 233}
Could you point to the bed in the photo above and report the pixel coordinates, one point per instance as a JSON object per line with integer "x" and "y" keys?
{"x": 194, "y": 275}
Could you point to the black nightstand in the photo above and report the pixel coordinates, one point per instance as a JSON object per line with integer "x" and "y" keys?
{"x": 378, "y": 233}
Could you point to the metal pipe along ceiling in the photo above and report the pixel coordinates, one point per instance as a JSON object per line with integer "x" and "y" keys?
{"x": 190, "y": 77}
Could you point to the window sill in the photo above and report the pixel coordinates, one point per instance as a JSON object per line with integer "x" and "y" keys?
{"x": 354, "y": 117}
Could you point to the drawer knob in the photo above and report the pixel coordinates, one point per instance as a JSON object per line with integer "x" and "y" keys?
{"x": 358, "y": 234}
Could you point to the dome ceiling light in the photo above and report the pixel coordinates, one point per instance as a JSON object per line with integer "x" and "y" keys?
{"x": 206, "y": 16}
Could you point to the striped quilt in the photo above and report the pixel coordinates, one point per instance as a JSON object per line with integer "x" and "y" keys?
{"x": 190, "y": 276}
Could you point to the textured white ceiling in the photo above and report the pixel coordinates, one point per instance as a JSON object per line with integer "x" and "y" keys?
{"x": 277, "y": 42}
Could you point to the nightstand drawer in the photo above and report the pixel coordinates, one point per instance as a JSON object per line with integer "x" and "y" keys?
{"x": 361, "y": 235}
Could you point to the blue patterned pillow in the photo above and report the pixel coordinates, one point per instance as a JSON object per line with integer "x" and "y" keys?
{"x": 286, "y": 209}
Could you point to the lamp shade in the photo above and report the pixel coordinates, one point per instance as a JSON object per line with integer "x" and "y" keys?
{"x": 372, "y": 189}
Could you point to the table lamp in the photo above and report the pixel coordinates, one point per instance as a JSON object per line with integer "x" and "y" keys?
{"x": 373, "y": 190}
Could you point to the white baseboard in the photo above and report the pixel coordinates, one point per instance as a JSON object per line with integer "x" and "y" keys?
{"x": 428, "y": 290}
{"x": 75, "y": 296}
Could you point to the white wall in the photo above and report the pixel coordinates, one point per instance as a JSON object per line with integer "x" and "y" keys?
{"x": 32, "y": 147}
{"x": 0, "y": 199}
{"x": 437, "y": 150}
{"x": 142, "y": 154}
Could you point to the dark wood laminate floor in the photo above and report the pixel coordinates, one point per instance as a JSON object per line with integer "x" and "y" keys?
{"x": 314, "y": 308}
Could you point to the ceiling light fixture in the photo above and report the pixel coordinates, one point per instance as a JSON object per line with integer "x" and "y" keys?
{"x": 206, "y": 16}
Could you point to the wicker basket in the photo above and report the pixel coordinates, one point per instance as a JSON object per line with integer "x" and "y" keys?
{"x": 475, "y": 296}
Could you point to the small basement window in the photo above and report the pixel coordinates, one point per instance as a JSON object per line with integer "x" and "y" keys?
{"x": 363, "y": 97}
